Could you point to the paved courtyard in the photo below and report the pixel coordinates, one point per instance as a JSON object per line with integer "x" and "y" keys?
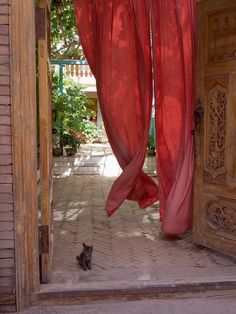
{"x": 127, "y": 246}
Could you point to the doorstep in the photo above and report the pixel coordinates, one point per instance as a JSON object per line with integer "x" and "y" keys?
{"x": 81, "y": 293}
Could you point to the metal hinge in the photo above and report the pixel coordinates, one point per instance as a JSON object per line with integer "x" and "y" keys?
{"x": 40, "y": 23}
{"x": 43, "y": 240}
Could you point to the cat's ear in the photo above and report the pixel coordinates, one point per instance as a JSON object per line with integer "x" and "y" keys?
{"x": 91, "y": 247}
{"x": 84, "y": 245}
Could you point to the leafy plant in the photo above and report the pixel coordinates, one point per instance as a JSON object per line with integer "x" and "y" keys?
{"x": 151, "y": 142}
{"x": 65, "y": 41}
{"x": 72, "y": 116}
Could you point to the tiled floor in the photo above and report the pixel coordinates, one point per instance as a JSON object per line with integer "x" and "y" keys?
{"x": 127, "y": 246}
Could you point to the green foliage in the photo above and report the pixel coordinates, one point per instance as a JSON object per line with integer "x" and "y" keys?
{"x": 64, "y": 33}
{"x": 151, "y": 142}
{"x": 72, "y": 123}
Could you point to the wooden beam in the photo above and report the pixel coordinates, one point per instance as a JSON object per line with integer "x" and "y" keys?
{"x": 23, "y": 101}
{"x": 45, "y": 128}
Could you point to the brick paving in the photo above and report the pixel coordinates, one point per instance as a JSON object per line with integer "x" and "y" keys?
{"x": 127, "y": 246}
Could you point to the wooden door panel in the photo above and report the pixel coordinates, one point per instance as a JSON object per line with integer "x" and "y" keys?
{"x": 215, "y": 145}
{"x": 45, "y": 130}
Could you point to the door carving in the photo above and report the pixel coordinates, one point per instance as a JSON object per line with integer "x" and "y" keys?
{"x": 216, "y": 98}
{"x": 221, "y": 217}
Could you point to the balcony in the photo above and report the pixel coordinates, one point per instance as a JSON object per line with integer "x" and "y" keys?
{"x": 79, "y": 71}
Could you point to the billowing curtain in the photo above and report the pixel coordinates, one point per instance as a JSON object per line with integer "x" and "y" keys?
{"x": 173, "y": 24}
{"x": 115, "y": 36}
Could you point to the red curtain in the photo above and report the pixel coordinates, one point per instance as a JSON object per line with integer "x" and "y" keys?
{"x": 115, "y": 36}
{"x": 173, "y": 23}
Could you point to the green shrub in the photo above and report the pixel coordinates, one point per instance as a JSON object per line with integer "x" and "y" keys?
{"x": 72, "y": 117}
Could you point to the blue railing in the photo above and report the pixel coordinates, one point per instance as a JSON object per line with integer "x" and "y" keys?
{"x": 61, "y": 64}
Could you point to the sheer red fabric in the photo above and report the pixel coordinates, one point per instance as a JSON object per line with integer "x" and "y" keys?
{"x": 173, "y": 25}
{"x": 115, "y": 36}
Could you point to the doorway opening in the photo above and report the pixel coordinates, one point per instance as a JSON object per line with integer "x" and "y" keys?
{"x": 128, "y": 246}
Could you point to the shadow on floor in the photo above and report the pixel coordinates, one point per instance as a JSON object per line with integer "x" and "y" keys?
{"x": 127, "y": 246}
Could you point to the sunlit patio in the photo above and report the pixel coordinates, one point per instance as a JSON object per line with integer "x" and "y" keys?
{"x": 128, "y": 246}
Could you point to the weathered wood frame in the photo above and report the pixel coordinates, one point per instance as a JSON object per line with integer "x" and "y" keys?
{"x": 45, "y": 131}
{"x": 23, "y": 102}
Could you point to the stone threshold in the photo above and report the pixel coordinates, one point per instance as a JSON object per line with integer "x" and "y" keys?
{"x": 91, "y": 292}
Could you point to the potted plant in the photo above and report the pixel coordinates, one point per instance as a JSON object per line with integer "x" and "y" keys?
{"x": 71, "y": 142}
{"x": 151, "y": 148}
{"x": 57, "y": 150}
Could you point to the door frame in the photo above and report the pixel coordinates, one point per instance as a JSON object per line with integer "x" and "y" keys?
{"x": 24, "y": 121}
{"x": 45, "y": 139}
{"x": 24, "y": 148}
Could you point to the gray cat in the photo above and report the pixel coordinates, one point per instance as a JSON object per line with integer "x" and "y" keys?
{"x": 85, "y": 257}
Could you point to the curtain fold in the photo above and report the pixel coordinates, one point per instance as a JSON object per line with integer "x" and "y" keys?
{"x": 115, "y": 35}
{"x": 173, "y": 28}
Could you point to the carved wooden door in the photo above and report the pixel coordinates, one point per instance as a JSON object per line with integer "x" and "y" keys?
{"x": 215, "y": 135}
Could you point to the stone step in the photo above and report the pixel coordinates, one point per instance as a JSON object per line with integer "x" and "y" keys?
{"x": 68, "y": 294}
{"x": 103, "y": 165}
